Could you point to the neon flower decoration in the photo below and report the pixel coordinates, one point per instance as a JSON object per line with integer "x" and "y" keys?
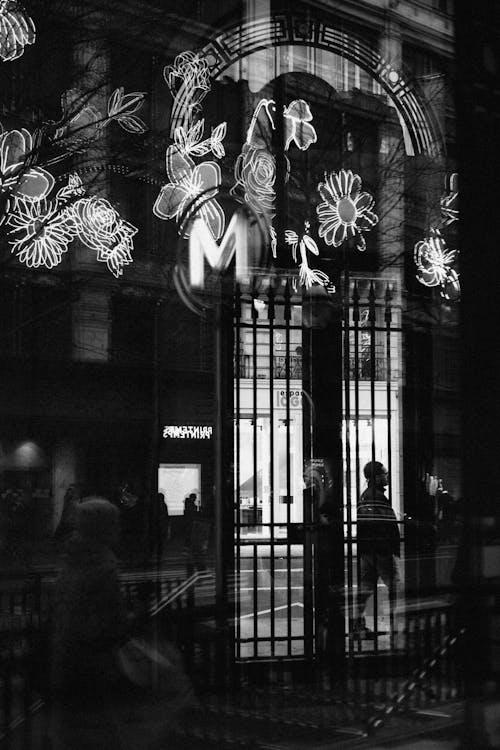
{"x": 190, "y": 141}
{"x": 39, "y": 232}
{"x": 450, "y": 289}
{"x": 297, "y": 125}
{"x": 122, "y": 108}
{"x": 307, "y": 276}
{"x": 255, "y": 168}
{"x": 16, "y": 30}
{"x": 197, "y": 187}
{"x": 345, "y": 210}
{"x": 17, "y": 176}
{"x": 434, "y": 264}
{"x": 189, "y": 73}
{"x": 100, "y": 227}
{"x": 449, "y": 201}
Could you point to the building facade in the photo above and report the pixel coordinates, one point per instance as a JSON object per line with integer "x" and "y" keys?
{"x": 231, "y": 270}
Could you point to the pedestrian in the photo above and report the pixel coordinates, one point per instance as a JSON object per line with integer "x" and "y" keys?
{"x": 378, "y": 543}
{"x": 89, "y": 623}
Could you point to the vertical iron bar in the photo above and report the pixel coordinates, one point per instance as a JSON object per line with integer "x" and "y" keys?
{"x": 287, "y": 318}
{"x": 271, "y": 317}
{"x": 373, "y": 353}
{"x": 388, "y": 375}
{"x": 255, "y": 315}
{"x": 347, "y": 422}
{"x": 237, "y": 321}
{"x": 355, "y": 317}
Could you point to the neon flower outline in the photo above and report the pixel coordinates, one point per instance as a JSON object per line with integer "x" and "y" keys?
{"x": 100, "y": 227}
{"x": 307, "y": 276}
{"x": 255, "y": 168}
{"x": 39, "y": 232}
{"x": 189, "y": 72}
{"x": 450, "y": 289}
{"x": 16, "y": 177}
{"x": 449, "y": 201}
{"x": 345, "y": 211}
{"x": 434, "y": 262}
{"x": 297, "y": 125}
{"x": 17, "y": 30}
{"x": 122, "y": 108}
{"x": 199, "y": 186}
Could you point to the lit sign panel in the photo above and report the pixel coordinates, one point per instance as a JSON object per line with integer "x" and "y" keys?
{"x": 187, "y": 432}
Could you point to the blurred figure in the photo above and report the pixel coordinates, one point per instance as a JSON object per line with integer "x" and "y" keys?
{"x": 159, "y": 526}
{"x": 89, "y": 621}
{"x": 132, "y": 525}
{"x": 378, "y": 543}
{"x": 67, "y": 521}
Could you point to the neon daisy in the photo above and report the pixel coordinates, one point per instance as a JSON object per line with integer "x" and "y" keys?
{"x": 345, "y": 211}
{"x": 193, "y": 194}
{"x": 435, "y": 264}
{"x": 39, "y": 232}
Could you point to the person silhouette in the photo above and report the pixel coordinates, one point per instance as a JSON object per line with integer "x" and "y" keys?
{"x": 378, "y": 541}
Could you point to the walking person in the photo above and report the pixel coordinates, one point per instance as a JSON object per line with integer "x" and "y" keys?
{"x": 378, "y": 541}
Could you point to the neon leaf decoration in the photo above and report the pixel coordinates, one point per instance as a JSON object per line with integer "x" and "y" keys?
{"x": 449, "y": 201}
{"x": 434, "y": 264}
{"x": 17, "y": 178}
{"x": 345, "y": 210}
{"x": 16, "y": 30}
{"x": 307, "y": 276}
{"x": 196, "y": 187}
{"x": 39, "y": 232}
{"x": 122, "y": 108}
{"x": 100, "y": 227}
{"x": 81, "y": 121}
{"x": 190, "y": 141}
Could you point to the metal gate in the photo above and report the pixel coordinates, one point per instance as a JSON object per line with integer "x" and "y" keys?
{"x": 284, "y": 481}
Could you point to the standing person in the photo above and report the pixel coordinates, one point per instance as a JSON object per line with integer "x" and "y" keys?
{"x": 378, "y": 543}
{"x": 89, "y": 621}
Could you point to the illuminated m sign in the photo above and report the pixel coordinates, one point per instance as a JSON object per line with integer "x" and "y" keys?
{"x": 235, "y": 243}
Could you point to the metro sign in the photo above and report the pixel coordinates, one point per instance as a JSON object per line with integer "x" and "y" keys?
{"x": 240, "y": 239}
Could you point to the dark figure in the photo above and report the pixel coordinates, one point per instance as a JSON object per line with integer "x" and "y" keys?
{"x": 17, "y": 525}
{"x": 67, "y": 521}
{"x": 160, "y": 526}
{"x": 190, "y": 504}
{"x": 378, "y": 543}
{"x": 132, "y": 525}
{"x": 89, "y": 621}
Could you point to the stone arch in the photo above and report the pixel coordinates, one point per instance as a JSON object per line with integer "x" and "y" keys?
{"x": 421, "y": 130}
